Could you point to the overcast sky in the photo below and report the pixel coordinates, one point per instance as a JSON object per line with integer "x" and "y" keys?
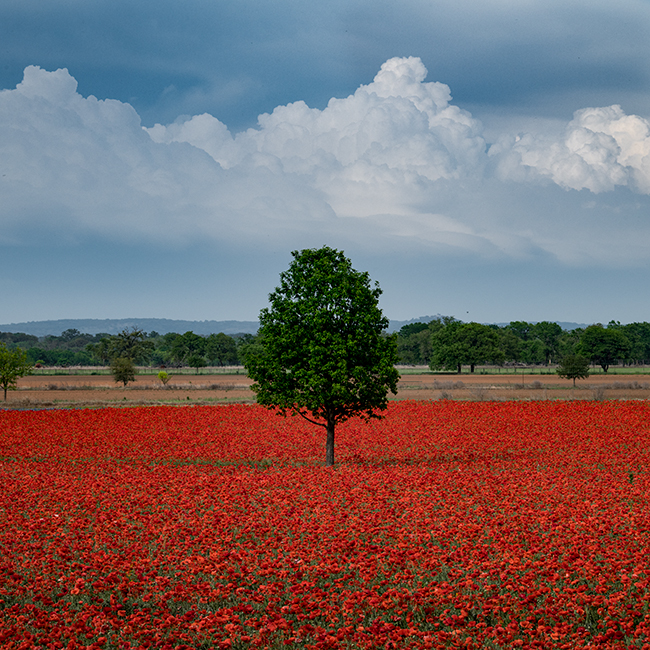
{"x": 488, "y": 161}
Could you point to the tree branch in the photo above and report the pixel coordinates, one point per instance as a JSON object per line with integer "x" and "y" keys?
{"x": 320, "y": 424}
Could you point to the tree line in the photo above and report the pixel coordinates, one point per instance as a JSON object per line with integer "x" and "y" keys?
{"x": 73, "y": 348}
{"x": 449, "y": 344}
{"x": 443, "y": 343}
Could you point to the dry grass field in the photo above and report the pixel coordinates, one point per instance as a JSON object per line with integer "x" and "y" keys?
{"x": 40, "y": 391}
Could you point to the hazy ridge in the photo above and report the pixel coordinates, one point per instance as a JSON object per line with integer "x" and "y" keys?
{"x": 115, "y": 325}
{"x": 165, "y": 325}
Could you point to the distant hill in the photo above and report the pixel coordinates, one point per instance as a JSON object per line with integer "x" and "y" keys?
{"x": 160, "y": 325}
{"x": 573, "y": 326}
{"x": 165, "y": 325}
{"x": 115, "y": 325}
{"x": 567, "y": 326}
{"x": 396, "y": 325}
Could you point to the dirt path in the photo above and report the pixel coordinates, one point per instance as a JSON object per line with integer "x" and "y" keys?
{"x": 526, "y": 387}
{"x": 101, "y": 390}
{"x": 41, "y": 391}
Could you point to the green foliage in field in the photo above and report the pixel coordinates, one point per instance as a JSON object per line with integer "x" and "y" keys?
{"x": 123, "y": 370}
{"x": 13, "y": 365}
{"x": 574, "y": 366}
{"x": 324, "y": 353}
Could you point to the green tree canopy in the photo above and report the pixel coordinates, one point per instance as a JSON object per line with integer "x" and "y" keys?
{"x": 101, "y": 350}
{"x": 510, "y": 344}
{"x": 221, "y": 349}
{"x": 128, "y": 344}
{"x": 13, "y": 365}
{"x": 414, "y": 348}
{"x": 521, "y": 328}
{"x": 446, "y": 352}
{"x": 70, "y": 334}
{"x": 569, "y": 341}
{"x": 196, "y": 361}
{"x": 18, "y": 339}
{"x": 573, "y": 366}
{"x": 123, "y": 369}
{"x": 188, "y": 345}
{"x": 324, "y": 354}
{"x": 638, "y": 334}
{"x": 603, "y": 346}
{"x": 464, "y": 343}
{"x": 549, "y": 334}
{"x": 413, "y": 328}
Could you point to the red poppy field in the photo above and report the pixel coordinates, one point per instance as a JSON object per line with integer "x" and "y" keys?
{"x": 445, "y": 525}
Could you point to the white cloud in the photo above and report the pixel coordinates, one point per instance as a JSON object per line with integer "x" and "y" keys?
{"x": 394, "y": 164}
{"x": 74, "y": 165}
{"x": 600, "y": 149}
{"x": 397, "y": 131}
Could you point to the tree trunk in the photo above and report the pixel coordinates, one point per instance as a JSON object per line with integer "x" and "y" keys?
{"x": 329, "y": 446}
{"x": 471, "y": 367}
{"x": 459, "y": 369}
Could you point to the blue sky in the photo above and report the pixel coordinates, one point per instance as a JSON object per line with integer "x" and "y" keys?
{"x": 489, "y": 161}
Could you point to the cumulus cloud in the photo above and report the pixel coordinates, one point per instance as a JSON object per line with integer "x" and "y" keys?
{"x": 395, "y": 163}
{"x": 600, "y": 149}
{"x": 75, "y": 162}
{"x": 78, "y": 165}
{"x": 394, "y": 133}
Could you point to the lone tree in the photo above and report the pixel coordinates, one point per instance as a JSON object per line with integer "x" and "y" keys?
{"x": 13, "y": 364}
{"x": 573, "y": 366}
{"x": 123, "y": 370}
{"x": 324, "y": 354}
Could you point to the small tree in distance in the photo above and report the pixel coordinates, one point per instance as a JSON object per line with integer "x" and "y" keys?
{"x": 196, "y": 361}
{"x": 13, "y": 364}
{"x": 323, "y": 352}
{"x": 123, "y": 370}
{"x": 573, "y": 366}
